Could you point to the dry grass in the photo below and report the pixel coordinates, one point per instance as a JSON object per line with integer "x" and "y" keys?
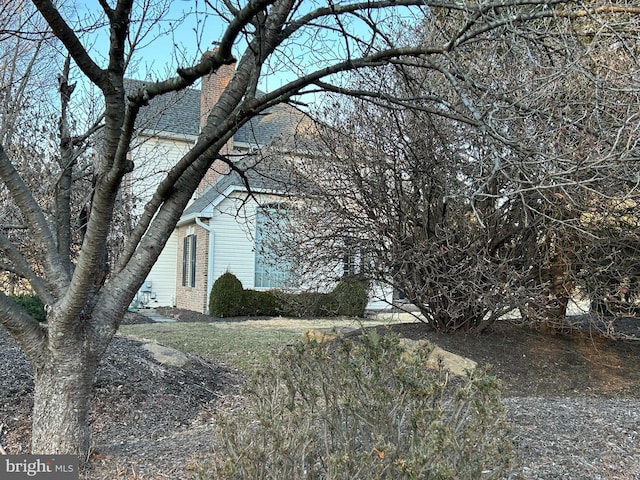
{"x": 242, "y": 345}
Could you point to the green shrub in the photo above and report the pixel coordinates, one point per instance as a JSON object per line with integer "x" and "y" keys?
{"x": 229, "y": 299}
{"x": 227, "y": 296}
{"x": 256, "y": 302}
{"x": 304, "y": 304}
{"x": 32, "y": 305}
{"x": 349, "y": 298}
{"x": 364, "y": 409}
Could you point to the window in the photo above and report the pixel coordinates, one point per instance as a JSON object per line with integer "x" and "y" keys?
{"x": 189, "y": 244}
{"x": 271, "y": 271}
{"x": 352, "y": 260}
{"x": 350, "y": 264}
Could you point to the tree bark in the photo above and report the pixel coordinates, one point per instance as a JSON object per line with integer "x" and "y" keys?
{"x": 62, "y": 401}
{"x": 550, "y": 309}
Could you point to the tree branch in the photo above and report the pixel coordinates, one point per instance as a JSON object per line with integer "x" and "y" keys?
{"x": 30, "y": 335}
{"x": 22, "y": 267}
{"x": 32, "y": 212}
{"x": 68, "y": 37}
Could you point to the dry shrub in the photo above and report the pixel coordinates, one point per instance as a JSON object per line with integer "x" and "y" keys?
{"x": 364, "y": 409}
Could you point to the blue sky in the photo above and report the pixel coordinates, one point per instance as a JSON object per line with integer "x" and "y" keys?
{"x": 186, "y": 31}
{"x": 189, "y": 28}
{"x": 177, "y": 40}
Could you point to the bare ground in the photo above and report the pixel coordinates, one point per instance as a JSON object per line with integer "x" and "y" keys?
{"x": 573, "y": 400}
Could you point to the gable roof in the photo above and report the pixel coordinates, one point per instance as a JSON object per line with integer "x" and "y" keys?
{"x": 262, "y": 175}
{"x": 179, "y": 113}
{"x": 278, "y": 122}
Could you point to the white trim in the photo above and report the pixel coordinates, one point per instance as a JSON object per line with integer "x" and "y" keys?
{"x": 152, "y": 134}
{"x": 187, "y": 219}
{"x": 249, "y": 147}
{"x": 208, "y": 228}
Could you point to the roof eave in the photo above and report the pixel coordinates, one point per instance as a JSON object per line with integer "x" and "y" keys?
{"x": 185, "y": 137}
{"x": 207, "y": 212}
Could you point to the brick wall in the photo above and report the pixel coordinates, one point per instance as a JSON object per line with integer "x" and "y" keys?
{"x": 188, "y": 297}
{"x": 212, "y": 87}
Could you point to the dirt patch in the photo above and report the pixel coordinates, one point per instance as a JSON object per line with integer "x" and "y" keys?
{"x": 573, "y": 401}
{"x": 531, "y": 363}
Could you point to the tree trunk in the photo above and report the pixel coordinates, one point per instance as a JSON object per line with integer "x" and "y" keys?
{"x": 62, "y": 402}
{"x": 550, "y": 309}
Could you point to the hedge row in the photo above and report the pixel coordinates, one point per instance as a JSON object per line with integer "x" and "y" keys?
{"x": 229, "y": 299}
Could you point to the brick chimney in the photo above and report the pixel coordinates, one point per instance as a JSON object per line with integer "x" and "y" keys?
{"x": 212, "y": 87}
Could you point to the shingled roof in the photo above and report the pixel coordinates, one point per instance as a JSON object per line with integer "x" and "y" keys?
{"x": 179, "y": 113}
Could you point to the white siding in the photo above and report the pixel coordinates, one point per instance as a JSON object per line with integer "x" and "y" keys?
{"x": 233, "y": 228}
{"x": 152, "y": 158}
{"x": 163, "y": 275}
{"x": 380, "y": 297}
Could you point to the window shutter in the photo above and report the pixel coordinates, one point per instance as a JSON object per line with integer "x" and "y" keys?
{"x": 185, "y": 253}
{"x": 192, "y": 270}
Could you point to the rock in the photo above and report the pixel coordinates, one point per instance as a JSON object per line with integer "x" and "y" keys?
{"x": 451, "y": 362}
{"x": 168, "y": 356}
{"x": 455, "y": 364}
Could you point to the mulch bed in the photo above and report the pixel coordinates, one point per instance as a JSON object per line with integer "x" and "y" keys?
{"x": 573, "y": 402}
{"x": 148, "y": 419}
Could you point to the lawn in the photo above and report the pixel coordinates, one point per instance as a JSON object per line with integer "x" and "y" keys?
{"x": 242, "y": 345}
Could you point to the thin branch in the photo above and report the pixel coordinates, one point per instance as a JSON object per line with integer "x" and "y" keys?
{"x": 32, "y": 212}
{"x": 22, "y": 267}
{"x": 68, "y": 37}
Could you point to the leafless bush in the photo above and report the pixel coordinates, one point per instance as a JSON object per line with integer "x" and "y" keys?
{"x": 470, "y": 181}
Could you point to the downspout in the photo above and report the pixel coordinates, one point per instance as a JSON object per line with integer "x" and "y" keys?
{"x": 209, "y": 229}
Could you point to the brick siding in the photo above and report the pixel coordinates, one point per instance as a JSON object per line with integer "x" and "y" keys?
{"x": 212, "y": 87}
{"x": 187, "y": 297}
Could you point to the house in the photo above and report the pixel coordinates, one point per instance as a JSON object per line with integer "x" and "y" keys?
{"x": 224, "y": 230}
{"x": 224, "y": 226}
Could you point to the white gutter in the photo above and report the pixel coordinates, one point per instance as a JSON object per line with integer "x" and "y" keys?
{"x": 209, "y": 229}
{"x": 188, "y": 219}
{"x": 182, "y": 137}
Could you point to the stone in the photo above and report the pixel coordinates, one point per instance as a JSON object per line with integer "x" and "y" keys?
{"x": 455, "y": 364}
{"x": 167, "y": 355}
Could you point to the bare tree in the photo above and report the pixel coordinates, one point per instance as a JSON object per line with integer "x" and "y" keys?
{"x": 470, "y": 180}
{"x": 23, "y": 76}
{"x": 85, "y": 302}
{"x": 390, "y": 196}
